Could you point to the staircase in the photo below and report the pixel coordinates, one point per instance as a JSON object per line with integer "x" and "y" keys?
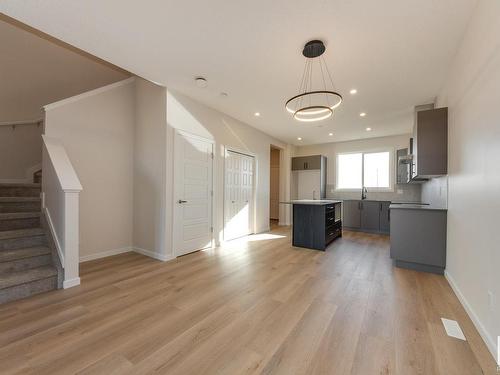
{"x": 28, "y": 265}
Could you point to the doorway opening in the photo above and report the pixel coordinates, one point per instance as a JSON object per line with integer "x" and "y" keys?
{"x": 274, "y": 187}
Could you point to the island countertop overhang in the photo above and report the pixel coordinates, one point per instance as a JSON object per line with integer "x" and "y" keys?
{"x": 314, "y": 202}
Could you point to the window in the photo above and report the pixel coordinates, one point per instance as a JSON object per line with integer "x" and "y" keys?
{"x": 376, "y": 170}
{"x": 349, "y": 167}
{"x": 369, "y": 169}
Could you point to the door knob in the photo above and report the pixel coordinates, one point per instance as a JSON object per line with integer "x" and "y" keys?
{"x": 180, "y": 201}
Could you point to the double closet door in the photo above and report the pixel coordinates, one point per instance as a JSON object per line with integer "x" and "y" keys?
{"x": 238, "y": 195}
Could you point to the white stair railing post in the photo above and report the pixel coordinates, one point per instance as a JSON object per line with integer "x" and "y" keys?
{"x": 61, "y": 190}
{"x": 71, "y": 239}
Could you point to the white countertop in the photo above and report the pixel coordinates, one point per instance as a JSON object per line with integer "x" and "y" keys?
{"x": 395, "y": 206}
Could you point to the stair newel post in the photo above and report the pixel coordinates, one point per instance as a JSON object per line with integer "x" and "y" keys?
{"x": 71, "y": 238}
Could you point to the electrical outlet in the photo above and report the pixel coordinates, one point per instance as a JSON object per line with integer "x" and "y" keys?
{"x": 332, "y": 191}
{"x": 400, "y": 191}
{"x": 491, "y": 300}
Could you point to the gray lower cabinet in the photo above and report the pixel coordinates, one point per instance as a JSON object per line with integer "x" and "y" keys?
{"x": 385, "y": 217}
{"x": 367, "y": 216}
{"x": 418, "y": 239}
{"x": 370, "y": 216}
{"x": 352, "y": 214}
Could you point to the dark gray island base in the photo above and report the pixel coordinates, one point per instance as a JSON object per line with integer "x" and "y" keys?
{"x": 316, "y": 223}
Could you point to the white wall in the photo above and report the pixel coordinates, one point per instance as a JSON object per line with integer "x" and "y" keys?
{"x": 188, "y": 115}
{"x": 97, "y": 131}
{"x": 40, "y": 70}
{"x": 402, "y": 192}
{"x": 20, "y": 150}
{"x": 120, "y": 141}
{"x": 472, "y": 93}
{"x": 150, "y": 143}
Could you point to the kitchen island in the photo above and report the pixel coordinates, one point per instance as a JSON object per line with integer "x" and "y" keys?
{"x": 316, "y": 223}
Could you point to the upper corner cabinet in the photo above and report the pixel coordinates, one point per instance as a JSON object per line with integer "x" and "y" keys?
{"x": 430, "y": 144}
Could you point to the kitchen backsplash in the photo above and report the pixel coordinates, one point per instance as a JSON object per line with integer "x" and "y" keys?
{"x": 401, "y": 193}
{"x": 435, "y": 192}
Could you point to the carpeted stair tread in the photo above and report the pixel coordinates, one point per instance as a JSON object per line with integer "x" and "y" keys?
{"x": 19, "y": 199}
{"x": 20, "y": 184}
{"x": 13, "y": 255}
{"x": 19, "y": 215}
{"x": 23, "y": 277}
{"x": 20, "y": 233}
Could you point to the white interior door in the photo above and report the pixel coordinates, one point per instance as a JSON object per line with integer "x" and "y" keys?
{"x": 193, "y": 168}
{"x": 238, "y": 195}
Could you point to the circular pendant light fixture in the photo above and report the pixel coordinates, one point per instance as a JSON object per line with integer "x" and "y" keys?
{"x": 312, "y": 105}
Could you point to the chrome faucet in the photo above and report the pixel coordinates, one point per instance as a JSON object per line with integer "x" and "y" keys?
{"x": 364, "y": 191}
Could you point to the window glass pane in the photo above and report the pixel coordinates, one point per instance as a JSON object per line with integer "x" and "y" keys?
{"x": 349, "y": 171}
{"x": 376, "y": 170}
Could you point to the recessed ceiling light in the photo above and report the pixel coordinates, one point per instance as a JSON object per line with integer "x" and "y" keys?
{"x": 353, "y": 91}
{"x": 368, "y": 129}
{"x": 223, "y": 94}
{"x": 362, "y": 114}
{"x": 330, "y": 134}
{"x": 257, "y": 114}
{"x": 201, "y": 82}
{"x": 299, "y": 138}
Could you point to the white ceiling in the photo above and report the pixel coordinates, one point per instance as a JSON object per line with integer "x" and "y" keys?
{"x": 396, "y": 53}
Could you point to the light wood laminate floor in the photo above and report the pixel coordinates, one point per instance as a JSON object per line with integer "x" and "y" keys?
{"x": 251, "y": 307}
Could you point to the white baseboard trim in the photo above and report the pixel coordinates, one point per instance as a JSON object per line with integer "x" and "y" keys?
{"x": 489, "y": 341}
{"x": 153, "y": 254}
{"x": 71, "y": 283}
{"x": 54, "y": 236}
{"x": 123, "y": 250}
{"x": 104, "y": 254}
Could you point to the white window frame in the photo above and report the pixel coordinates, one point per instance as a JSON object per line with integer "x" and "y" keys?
{"x": 392, "y": 170}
